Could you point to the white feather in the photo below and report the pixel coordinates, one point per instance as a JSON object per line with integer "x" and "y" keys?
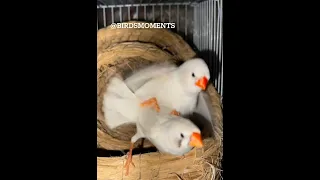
{"x": 169, "y": 93}
{"x": 204, "y": 106}
{"x": 176, "y": 88}
{"x": 202, "y": 114}
{"x": 120, "y": 105}
{"x": 163, "y": 130}
{"x": 135, "y": 15}
{"x": 138, "y": 78}
{"x": 173, "y": 88}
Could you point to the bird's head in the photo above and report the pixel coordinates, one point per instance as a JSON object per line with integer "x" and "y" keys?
{"x": 194, "y": 75}
{"x": 184, "y": 134}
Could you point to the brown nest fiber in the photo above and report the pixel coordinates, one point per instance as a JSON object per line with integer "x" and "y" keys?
{"x": 121, "y": 52}
{"x": 162, "y": 38}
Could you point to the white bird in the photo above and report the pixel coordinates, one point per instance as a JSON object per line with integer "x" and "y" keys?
{"x": 120, "y": 105}
{"x": 140, "y": 77}
{"x": 168, "y": 133}
{"x": 175, "y": 87}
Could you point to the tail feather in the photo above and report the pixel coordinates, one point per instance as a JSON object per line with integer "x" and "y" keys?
{"x": 139, "y": 78}
{"x": 119, "y": 88}
{"x": 120, "y": 105}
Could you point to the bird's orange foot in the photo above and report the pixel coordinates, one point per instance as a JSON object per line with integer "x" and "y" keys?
{"x": 151, "y": 102}
{"x": 174, "y": 112}
{"x": 182, "y": 157}
{"x": 129, "y": 160}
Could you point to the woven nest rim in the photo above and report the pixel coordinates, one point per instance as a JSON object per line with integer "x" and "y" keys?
{"x": 210, "y": 161}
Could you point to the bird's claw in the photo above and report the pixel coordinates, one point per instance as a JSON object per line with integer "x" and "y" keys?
{"x": 151, "y": 102}
{"x": 174, "y": 112}
{"x": 182, "y": 157}
{"x": 127, "y": 165}
{"x": 129, "y": 160}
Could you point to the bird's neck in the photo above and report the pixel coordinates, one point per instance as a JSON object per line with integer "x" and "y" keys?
{"x": 178, "y": 83}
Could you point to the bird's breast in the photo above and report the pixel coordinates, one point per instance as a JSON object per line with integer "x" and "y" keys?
{"x": 184, "y": 104}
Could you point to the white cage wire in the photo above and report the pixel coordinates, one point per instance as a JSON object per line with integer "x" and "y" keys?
{"x": 199, "y": 22}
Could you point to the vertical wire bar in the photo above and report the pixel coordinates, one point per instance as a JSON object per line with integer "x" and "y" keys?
{"x": 210, "y": 37}
{"x": 221, "y": 94}
{"x": 218, "y": 48}
{"x": 222, "y": 72}
{"x": 169, "y": 13}
{"x": 206, "y": 26}
{"x": 200, "y": 27}
{"x": 112, "y": 15}
{"x": 214, "y": 43}
{"x": 137, "y": 11}
{"x": 104, "y": 17}
{"x": 203, "y": 26}
{"x": 145, "y": 12}
{"x": 120, "y": 14}
{"x": 197, "y": 27}
{"x": 178, "y": 17}
{"x": 129, "y": 18}
{"x": 186, "y": 21}
{"x": 220, "y": 45}
{"x": 161, "y": 9}
{"x": 196, "y": 20}
{"x": 195, "y": 31}
{"x": 153, "y": 13}
{"x": 199, "y": 24}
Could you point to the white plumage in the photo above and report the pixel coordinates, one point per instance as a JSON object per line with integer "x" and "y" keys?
{"x": 140, "y": 77}
{"x": 120, "y": 105}
{"x": 174, "y": 87}
{"x": 168, "y": 133}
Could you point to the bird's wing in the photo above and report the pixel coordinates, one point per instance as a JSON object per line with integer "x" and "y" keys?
{"x": 140, "y": 77}
{"x": 153, "y": 87}
{"x": 147, "y": 117}
{"x": 118, "y": 87}
{"x": 204, "y": 105}
{"x": 202, "y": 113}
{"x": 120, "y": 105}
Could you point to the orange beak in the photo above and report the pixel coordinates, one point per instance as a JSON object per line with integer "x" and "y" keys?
{"x": 202, "y": 83}
{"x": 196, "y": 140}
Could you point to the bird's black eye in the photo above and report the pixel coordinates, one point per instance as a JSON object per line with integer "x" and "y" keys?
{"x": 182, "y": 135}
{"x": 192, "y": 75}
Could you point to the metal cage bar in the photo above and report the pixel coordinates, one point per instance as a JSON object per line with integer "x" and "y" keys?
{"x": 205, "y": 23}
{"x": 178, "y": 18}
{"x": 104, "y": 17}
{"x": 112, "y": 15}
{"x": 185, "y": 21}
{"x": 210, "y": 23}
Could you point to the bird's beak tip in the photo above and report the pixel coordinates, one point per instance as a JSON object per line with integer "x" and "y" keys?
{"x": 202, "y": 83}
{"x": 196, "y": 140}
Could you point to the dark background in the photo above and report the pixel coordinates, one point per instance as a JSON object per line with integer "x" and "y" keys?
{"x": 48, "y": 87}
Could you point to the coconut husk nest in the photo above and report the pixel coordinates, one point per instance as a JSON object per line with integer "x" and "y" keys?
{"x": 120, "y": 53}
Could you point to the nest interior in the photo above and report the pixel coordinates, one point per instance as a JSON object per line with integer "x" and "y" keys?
{"x": 120, "y": 53}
